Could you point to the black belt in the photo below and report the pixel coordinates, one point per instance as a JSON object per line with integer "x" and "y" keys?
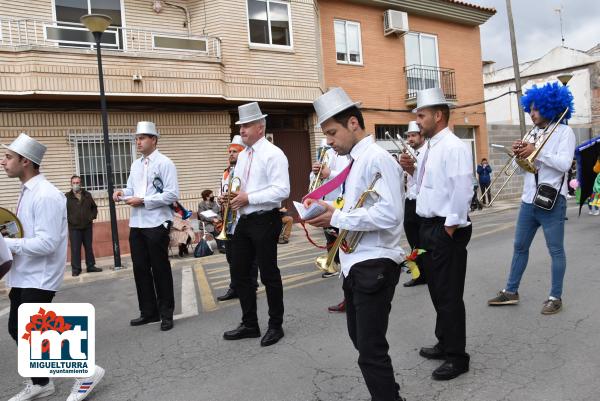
{"x": 259, "y": 213}
{"x": 433, "y": 220}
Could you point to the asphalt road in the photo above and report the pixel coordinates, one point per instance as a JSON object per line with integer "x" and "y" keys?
{"x": 517, "y": 354}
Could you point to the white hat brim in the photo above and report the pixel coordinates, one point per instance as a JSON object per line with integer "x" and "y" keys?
{"x": 39, "y": 163}
{"x": 335, "y": 111}
{"x": 431, "y": 105}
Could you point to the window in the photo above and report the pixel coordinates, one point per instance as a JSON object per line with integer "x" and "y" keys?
{"x": 347, "y": 42}
{"x": 89, "y": 158}
{"x": 422, "y": 54}
{"x": 380, "y": 131}
{"x": 269, "y": 22}
{"x": 69, "y": 32}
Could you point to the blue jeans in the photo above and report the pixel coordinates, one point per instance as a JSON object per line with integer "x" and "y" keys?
{"x": 553, "y": 224}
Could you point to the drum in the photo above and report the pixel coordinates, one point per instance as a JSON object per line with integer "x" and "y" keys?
{"x": 10, "y": 226}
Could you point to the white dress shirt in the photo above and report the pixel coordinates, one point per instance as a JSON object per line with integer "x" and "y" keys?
{"x": 5, "y": 254}
{"x": 381, "y": 216}
{"x": 40, "y": 257}
{"x": 336, "y": 164}
{"x": 553, "y": 162}
{"x": 411, "y": 180}
{"x": 155, "y": 210}
{"x": 268, "y": 181}
{"x": 447, "y": 187}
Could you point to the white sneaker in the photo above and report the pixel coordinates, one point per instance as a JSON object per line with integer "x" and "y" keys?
{"x": 596, "y": 212}
{"x": 34, "y": 391}
{"x": 590, "y": 212}
{"x": 84, "y": 386}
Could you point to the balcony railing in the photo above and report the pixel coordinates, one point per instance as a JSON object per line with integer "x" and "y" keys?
{"x": 419, "y": 77}
{"x": 30, "y": 33}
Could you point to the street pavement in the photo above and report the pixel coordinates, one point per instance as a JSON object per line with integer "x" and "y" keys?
{"x": 517, "y": 354}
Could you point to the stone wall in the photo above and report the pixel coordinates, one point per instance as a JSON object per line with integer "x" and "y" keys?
{"x": 503, "y": 135}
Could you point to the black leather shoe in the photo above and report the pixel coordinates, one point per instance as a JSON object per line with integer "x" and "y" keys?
{"x": 230, "y": 294}
{"x": 75, "y": 274}
{"x": 166, "y": 324}
{"x": 449, "y": 370}
{"x": 94, "y": 269}
{"x": 144, "y": 320}
{"x": 272, "y": 336}
{"x": 242, "y": 332}
{"x": 432, "y": 352}
{"x": 412, "y": 282}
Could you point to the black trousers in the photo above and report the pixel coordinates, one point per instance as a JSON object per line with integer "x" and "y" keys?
{"x": 446, "y": 260}
{"x": 253, "y": 271}
{"x": 152, "y": 271}
{"x": 19, "y": 296}
{"x": 330, "y": 238}
{"x": 78, "y": 237}
{"x": 488, "y": 195}
{"x": 412, "y": 225}
{"x": 255, "y": 239}
{"x": 369, "y": 290}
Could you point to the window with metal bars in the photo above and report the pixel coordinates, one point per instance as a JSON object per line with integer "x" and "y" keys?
{"x": 380, "y": 131}
{"x": 90, "y": 160}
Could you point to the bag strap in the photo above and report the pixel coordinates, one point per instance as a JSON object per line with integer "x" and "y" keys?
{"x": 561, "y": 183}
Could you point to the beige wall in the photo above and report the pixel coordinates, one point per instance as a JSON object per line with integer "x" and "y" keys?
{"x": 196, "y": 142}
{"x": 242, "y": 73}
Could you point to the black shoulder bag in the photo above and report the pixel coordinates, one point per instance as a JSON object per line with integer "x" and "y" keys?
{"x": 545, "y": 194}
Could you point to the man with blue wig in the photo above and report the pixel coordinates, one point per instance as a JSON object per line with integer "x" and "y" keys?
{"x": 544, "y": 192}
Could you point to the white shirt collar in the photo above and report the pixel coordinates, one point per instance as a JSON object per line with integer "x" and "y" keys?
{"x": 439, "y": 137}
{"x": 151, "y": 156}
{"x": 34, "y": 181}
{"x": 360, "y": 147}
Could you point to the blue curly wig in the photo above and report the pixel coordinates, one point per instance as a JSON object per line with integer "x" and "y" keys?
{"x": 550, "y": 100}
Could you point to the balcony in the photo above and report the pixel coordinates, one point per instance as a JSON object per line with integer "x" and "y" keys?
{"x": 419, "y": 77}
{"x": 28, "y": 34}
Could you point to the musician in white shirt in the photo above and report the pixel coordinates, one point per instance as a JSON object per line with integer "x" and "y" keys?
{"x": 545, "y": 105}
{"x": 412, "y": 221}
{"x": 372, "y": 271}
{"x": 151, "y": 190}
{"x": 263, "y": 170}
{"x": 40, "y": 257}
{"x": 444, "y": 192}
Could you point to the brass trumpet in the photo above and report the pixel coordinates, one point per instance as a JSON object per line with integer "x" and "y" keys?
{"x": 326, "y": 263}
{"x": 229, "y": 217}
{"x": 318, "y": 180}
{"x": 528, "y": 163}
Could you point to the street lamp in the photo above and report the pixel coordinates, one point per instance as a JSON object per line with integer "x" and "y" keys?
{"x": 97, "y": 24}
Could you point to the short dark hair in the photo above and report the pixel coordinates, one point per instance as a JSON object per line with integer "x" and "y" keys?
{"x": 206, "y": 193}
{"x": 445, "y": 111}
{"x": 35, "y": 165}
{"x": 75, "y": 176}
{"x": 344, "y": 116}
{"x": 484, "y": 159}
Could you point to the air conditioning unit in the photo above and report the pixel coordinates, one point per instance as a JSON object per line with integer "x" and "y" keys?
{"x": 395, "y": 22}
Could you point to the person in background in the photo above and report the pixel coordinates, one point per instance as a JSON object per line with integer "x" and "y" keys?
{"x": 208, "y": 203}
{"x": 181, "y": 233}
{"x": 81, "y": 213}
{"x": 287, "y": 222}
{"x": 484, "y": 172}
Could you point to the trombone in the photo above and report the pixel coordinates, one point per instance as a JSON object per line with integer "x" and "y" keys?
{"x": 528, "y": 163}
{"x": 403, "y": 147}
{"x": 326, "y": 263}
{"x": 229, "y": 217}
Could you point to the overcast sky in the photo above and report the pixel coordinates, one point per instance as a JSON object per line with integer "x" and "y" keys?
{"x": 537, "y": 27}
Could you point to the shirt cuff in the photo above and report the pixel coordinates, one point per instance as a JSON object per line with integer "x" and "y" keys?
{"x": 252, "y": 199}
{"x": 335, "y": 218}
{"x": 13, "y": 244}
{"x": 454, "y": 220}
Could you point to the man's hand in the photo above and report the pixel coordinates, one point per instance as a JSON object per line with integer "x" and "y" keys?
{"x": 117, "y": 195}
{"x": 325, "y": 171}
{"x": 407, "y": 163}
{"x": 134, "y": 201}
{"x": 450, "y": 230}
{"x": 239, "y": 201}
{"x": 324, "y": 219}
{"x": 526, "y": 150}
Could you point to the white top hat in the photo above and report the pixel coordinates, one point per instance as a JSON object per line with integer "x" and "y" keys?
{"x": 146, "y": 128}
{"x": 413, "y": 127}
{"x": 249, "y": 112}
{"x": 430, "y": 97}
{"x": 331, "y": 103}
{"x": 28, "y": 147}
{"x": 237, "y": 140}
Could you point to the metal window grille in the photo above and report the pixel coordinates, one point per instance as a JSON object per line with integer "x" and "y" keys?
{"x": 88, "y": 150}
{"x": 380, "y": 131}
